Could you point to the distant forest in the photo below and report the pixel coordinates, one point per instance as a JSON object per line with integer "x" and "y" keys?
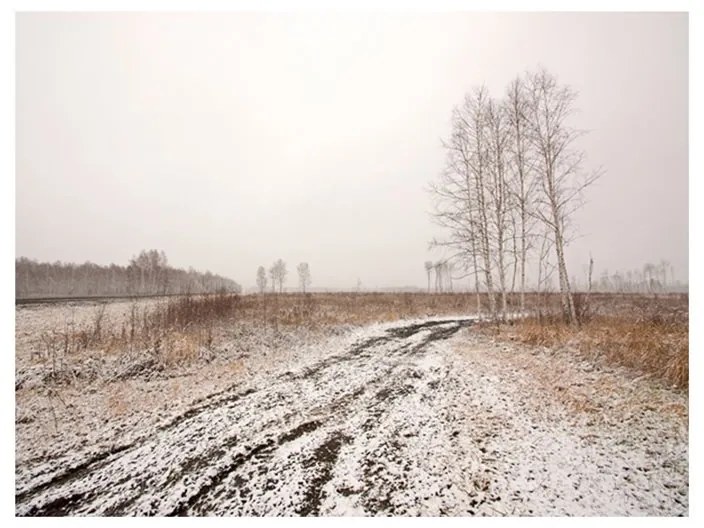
{"x": 146, "y": 274}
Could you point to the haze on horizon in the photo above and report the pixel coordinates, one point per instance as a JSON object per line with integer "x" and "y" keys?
{"x": 231, "y": 140}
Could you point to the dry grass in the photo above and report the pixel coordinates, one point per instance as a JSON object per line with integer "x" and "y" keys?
{"x": 181, "y": 324}
{"x": 182, "y": 330}
{"x": 118, "y": 402}
{"x": 320, "y": 310}
{"x": 556, "y": 379}
{"x": 175, "y": 332}
{"x": 649, "y": 335}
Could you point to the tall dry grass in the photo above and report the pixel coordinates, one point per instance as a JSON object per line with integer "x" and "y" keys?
{"x": 649, "y": 334}
{"x": 173, "y": 332}
{"x": 320, "y": 310}
{"x": 180, "y": 330}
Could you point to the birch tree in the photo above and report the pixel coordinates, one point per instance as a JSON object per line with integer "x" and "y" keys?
{"x": 280, "y": 274}
{"x": 273, "y": 275}
{"x": 428, "y": 271}
{"x": 558, "y": 167}
{"x": 454, "y": 205}
{"x": 523, "y": 185}
{"x": 438, "y": 276}
{"x": 498, "y": 190}
{"x": 303, "y": 275}
{"x": 461, "y": 197}
{"x": 473, "y": 119}
{"x": 261, "y": 279}
{"x": 513, "y": 175}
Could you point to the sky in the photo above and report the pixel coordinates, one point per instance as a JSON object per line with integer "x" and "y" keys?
{"x": 232, "y": 140}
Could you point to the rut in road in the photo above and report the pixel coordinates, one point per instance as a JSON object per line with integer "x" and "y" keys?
{"x": 345, "y": 434}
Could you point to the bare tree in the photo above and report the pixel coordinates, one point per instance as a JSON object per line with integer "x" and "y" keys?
{"x": 589, "y": 281}
{"x": 523, "y": 184}
{"x": 649, "y": 270}
{"x": 558, "y": 166}
{"x": 273, "y": 276}
{"x": 545, "y": 267}
{"x": 436, "y": 269}
{"x": 303, "y": 275}
{"x": 279, "y": 273}
{"x": 498, "y": 190}
{"x": 455, "y": 208}
{"x": 460, "y": 198}
{"x": 663, "y": 268}
{"x": 261, "y": 279}
{"x": 511, "y": 171}
{"x": 449, "y": 268}
{"x": 428, "y": 270}
{"x": 474, "y": 119}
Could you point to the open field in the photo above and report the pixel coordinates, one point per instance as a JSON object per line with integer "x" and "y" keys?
{"x": 351, "y": 404}
{"x": 352, "y": 264}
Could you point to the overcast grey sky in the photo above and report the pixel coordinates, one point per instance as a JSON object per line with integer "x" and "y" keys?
{"x": 230, "y": 140}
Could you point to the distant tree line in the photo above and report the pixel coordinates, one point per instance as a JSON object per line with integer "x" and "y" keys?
{"x": 651, "y": 278}
{"x": 146, "y": 274}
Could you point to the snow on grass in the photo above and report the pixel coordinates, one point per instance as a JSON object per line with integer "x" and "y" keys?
{"x": 417, "y": 417}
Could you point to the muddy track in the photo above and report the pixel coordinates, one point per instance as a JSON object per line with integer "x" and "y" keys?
{"x": 327, "y": 436}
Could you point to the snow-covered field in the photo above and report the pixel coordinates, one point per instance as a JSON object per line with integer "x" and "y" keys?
{"x": 420, "y": 417}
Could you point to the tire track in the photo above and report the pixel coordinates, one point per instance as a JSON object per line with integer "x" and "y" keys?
{"x": 230, "y": 443}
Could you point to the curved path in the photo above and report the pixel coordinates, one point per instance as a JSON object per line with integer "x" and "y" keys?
{"x": 392, "y": 425}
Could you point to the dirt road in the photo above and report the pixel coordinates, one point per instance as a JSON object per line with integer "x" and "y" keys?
{"x": 396, "y": 424}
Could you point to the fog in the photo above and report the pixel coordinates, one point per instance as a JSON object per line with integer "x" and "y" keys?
{"x": 231, "y": 140}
